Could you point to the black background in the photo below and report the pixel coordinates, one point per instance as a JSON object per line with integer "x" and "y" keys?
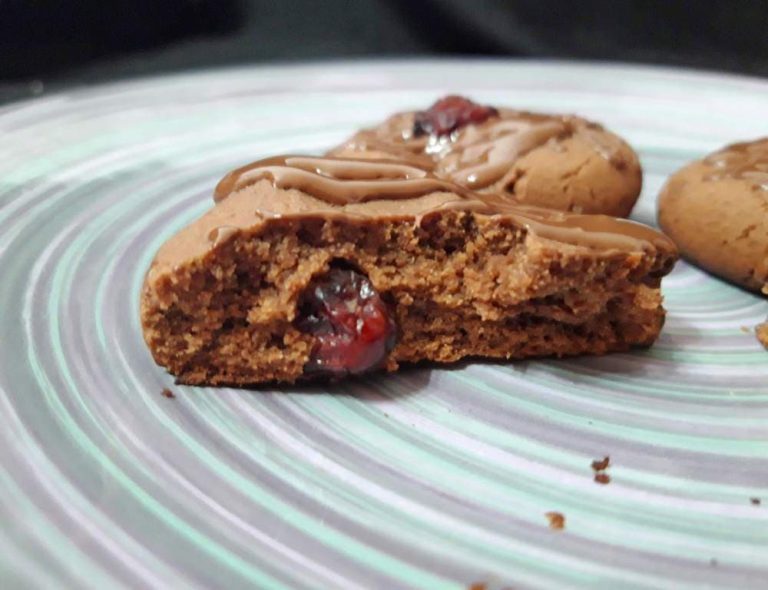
{"x": 47, "y": 44}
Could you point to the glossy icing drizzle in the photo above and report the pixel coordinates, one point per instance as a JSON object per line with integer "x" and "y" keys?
{"x": 479, "y": 155}
{"x": 339, "y": 181}
{"x": 342, "y": 182}
{"x": 483, "y": 154}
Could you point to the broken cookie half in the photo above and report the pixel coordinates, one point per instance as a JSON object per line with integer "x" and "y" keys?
{"x": 310, "y": 267}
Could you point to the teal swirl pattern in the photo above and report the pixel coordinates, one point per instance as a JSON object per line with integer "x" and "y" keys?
{"x": 429, "y": 478}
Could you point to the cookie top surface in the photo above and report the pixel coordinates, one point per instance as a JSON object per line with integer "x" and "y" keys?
{"x": 746, "y": 161}
{"x": 477, "y": 155}
{"x": 374, "y": 191}
{"x": 560, "y": 161}
{"x": 716, "y": 210}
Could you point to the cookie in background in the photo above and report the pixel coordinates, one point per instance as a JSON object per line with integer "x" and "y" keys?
{"x": 716, "y": 211}
{"x": 560, "y": 162}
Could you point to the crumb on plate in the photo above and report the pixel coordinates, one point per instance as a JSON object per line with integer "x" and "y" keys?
{"x": 556, "y": 520}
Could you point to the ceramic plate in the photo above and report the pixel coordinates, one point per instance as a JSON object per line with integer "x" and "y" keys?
{"x": 429, "y": 478}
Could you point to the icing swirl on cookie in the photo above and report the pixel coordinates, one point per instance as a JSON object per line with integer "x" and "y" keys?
{"x": 482, "y": 154}
{"x": 372, "y": 189}
{"x": 478, "y": 155}
{"x": 338, "y": 181}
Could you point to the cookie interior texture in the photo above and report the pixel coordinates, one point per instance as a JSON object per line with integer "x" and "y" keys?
{"x": 464, "y": 275}
{"x": 560, "y": 162}
{"x": 716, "y": 211}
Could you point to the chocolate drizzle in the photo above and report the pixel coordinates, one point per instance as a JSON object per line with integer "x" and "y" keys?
{"x": 338, "y": 181}
{"x": 483, "y": 153}
{"x": 374, "y": 189}
{"x": 478, "y": 156}
{"x": 742, "y": 161}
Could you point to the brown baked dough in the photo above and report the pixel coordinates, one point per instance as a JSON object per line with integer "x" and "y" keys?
{"x": 560, "y": 162}
{"x": 716, "y": 210}
{"x": 462, "y": 274}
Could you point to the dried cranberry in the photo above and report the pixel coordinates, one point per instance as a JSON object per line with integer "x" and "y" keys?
{"x": 449, "y": 114}
{"x": 354, "y": 330}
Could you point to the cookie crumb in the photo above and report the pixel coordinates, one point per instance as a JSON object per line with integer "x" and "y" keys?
{"x": 761, "y": 331}
{"x": 602, "y": 478}
{"x": 478, "y": 586}
{"x": 745, "y": 329}
{"x": 599, "y": 466}
{"x": 755, "y": 501}
{"x": 556, "y": 520}
{"x": 168, "y": 393}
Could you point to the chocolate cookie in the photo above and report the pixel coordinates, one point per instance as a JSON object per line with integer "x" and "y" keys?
{"x": 330, "y": 267}
{"x": 716, "y": 210}
{"x": 560, "y": 162}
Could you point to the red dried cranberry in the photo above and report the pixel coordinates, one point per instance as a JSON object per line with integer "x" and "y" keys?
{"x": 353, "y": 328}
{"x": 449, "y": 114}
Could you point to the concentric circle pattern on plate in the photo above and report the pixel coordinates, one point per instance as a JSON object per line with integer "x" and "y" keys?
{"x": 426, "y": 478}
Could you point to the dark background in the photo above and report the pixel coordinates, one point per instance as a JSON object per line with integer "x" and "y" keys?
{"x": 48, "y": 44}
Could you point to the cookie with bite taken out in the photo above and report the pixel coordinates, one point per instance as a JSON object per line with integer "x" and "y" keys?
{"x": 312, "y": 267}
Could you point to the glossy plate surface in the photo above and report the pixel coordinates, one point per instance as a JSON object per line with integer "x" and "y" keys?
{"x": 426, "y": 478}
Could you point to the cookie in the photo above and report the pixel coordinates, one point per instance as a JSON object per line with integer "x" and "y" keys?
{"x": 560, "y": 162}
{"x": 716, "y": 211}
{"x": 325, "y": 267}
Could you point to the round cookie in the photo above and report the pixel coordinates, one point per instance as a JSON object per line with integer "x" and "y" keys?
{"x": 560, "y": 162}
{"x": 576, "y": 173}
{"x": 716, "y": 210}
